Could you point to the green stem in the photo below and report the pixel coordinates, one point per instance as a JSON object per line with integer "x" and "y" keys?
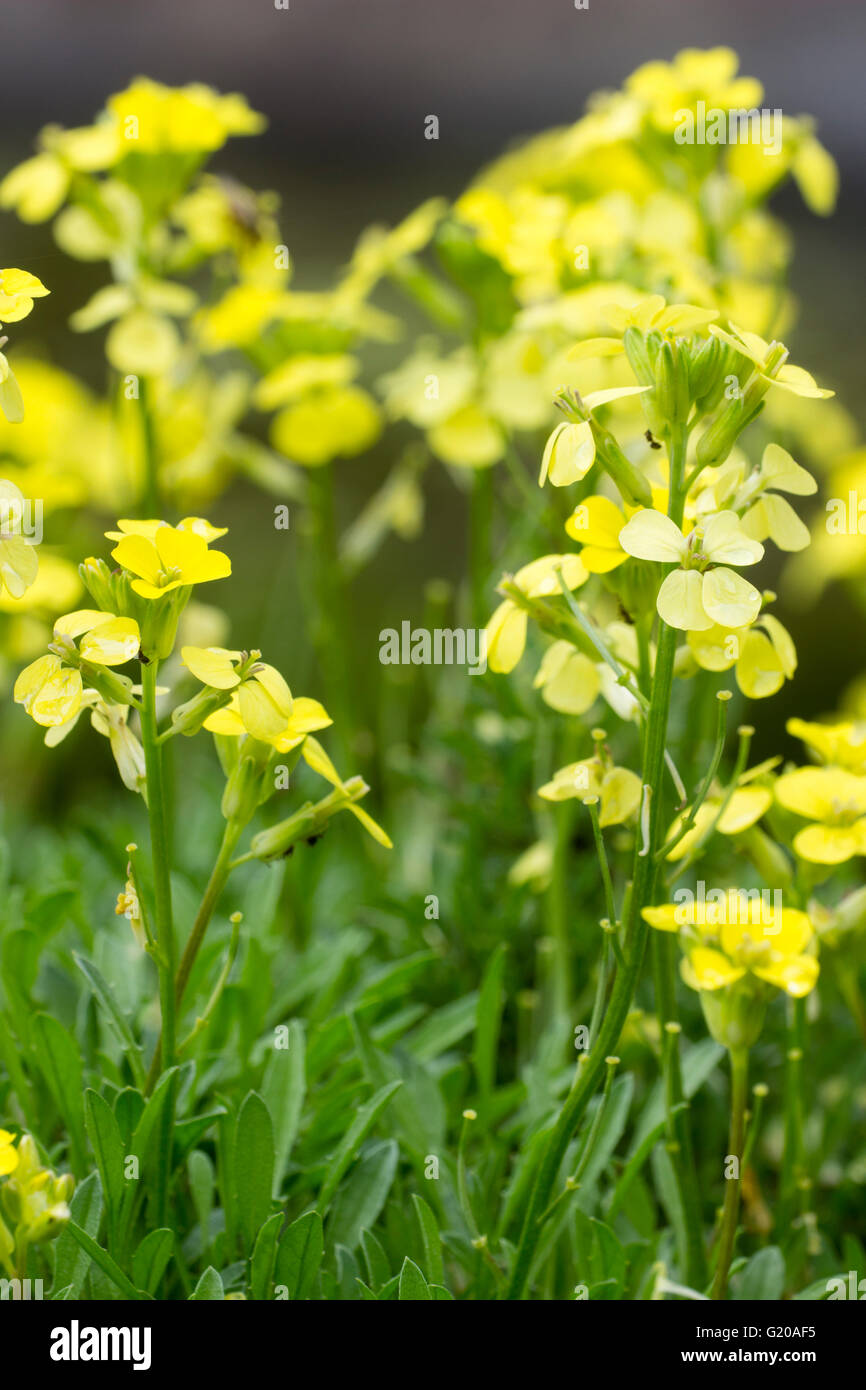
{"x": 792, "y": 1160}
{"x": 678, "y": 1129}
{"x": 220, "y": 872}
{"x": 161, "y": 862}
{"x": 635, "y": 928}
{"x": 730, "y": 1212}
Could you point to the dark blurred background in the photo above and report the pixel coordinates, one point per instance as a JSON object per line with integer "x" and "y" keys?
{"x": 346, "y": 86}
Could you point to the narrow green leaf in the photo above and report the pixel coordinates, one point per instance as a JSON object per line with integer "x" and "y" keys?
{"x": 299, "y": 1256}
{"x": 111, "y": 1008}
{"x": 352, "y": 1141}
{"x": 430, "y": 1239}
{"x": 264, "y": 1256}
{"x": 109, "y": 1267}
{"x": 60, "y": 1061}
{"x": 150, "y": 1260}
{"x": 70, "y": 1260}
{"x": 209, "y": 1288}
{"x": 253, "y": 1166}
{"x": 413, "y": 1285}
{"x": 763, "y": 1279}
{"x": 362, "y": 1197}
{"x": 283, "y": 1088}
{"x": 103, "y": 1132}
{"x": 378, "y": 1268}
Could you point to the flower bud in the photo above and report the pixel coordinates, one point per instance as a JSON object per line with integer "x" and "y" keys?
{"x": 633, "y": 486}
{"x": 735, "y": 1014}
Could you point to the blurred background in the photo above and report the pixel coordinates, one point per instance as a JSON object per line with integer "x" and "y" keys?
{"x": 346, "y": 86}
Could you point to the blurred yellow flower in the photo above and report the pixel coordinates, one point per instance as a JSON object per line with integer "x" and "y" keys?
{"x": 736, "y": 932}
{"x": 8, "y": 1153}
{"x": 842, "y": 744}
{"x": 617, "y": 788}
{"x": 763, "y": 655}
{"x": 834, "y": 800}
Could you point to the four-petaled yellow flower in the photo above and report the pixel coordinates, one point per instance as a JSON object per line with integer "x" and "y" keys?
{"x": 794, "y": 379}
{"x": 763, "y": 656}
{"x": 694, "y": 597}
{"x": 262, "y": 701}
{"x": 171, "y": 559}
{"x": 735, "y": 933}
{"x": 51, "y": 690}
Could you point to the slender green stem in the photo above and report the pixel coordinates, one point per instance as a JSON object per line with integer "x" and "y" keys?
{"x": 591, "y": 804}
{"x": 792, "y": 1159}
{"x": 220, "y": 872}
{"x": 161, "y": 862}
{"x": 690, "y": 816}
{"x": 678, "y": 1129}
{"x": 635, "y": 928}
{"x": 730, "y": 1212}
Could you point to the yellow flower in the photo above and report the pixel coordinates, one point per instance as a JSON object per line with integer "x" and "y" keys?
{"x": 596, "y": 523}
{"x": 173, "y": 559}
{"x": 153, "y": 119}
{"x": 733, "y": 933}
{"x": 763, "y": 656}
{"x": 52, "y": 691}
{"x": 834, "y": 800}
{"x": 18, "y": 289}
{"x": 650, "y": 315}
{"x": 36, "y": 188}
{"x": 794, "y": 379}
{"x": 568, "y": 680}
{"x": 506, "y": 630}
{"x": 842, "y": 744}
{"x": 617, "y": 789}
{"x": 262, "y": 714}
{"x": 49, "y": 691}
{"x": 745, "y": 808}
{"x": 336, "y": 422}
{"x": 570, "y": 451}
{"x": 263, "y": 701}
{"x": 695, "y": 74}
{"x": 197, "y": 524}
{"x": 8, "y": 1153}
{"x": 754, "y": 497}
{"x": 694, "y": 597}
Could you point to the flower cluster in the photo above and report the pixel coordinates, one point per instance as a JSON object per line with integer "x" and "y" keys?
{"x": 33, "y": 1201}
{"x": 244, "y": 702}
{"x": 601, "y": 212}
